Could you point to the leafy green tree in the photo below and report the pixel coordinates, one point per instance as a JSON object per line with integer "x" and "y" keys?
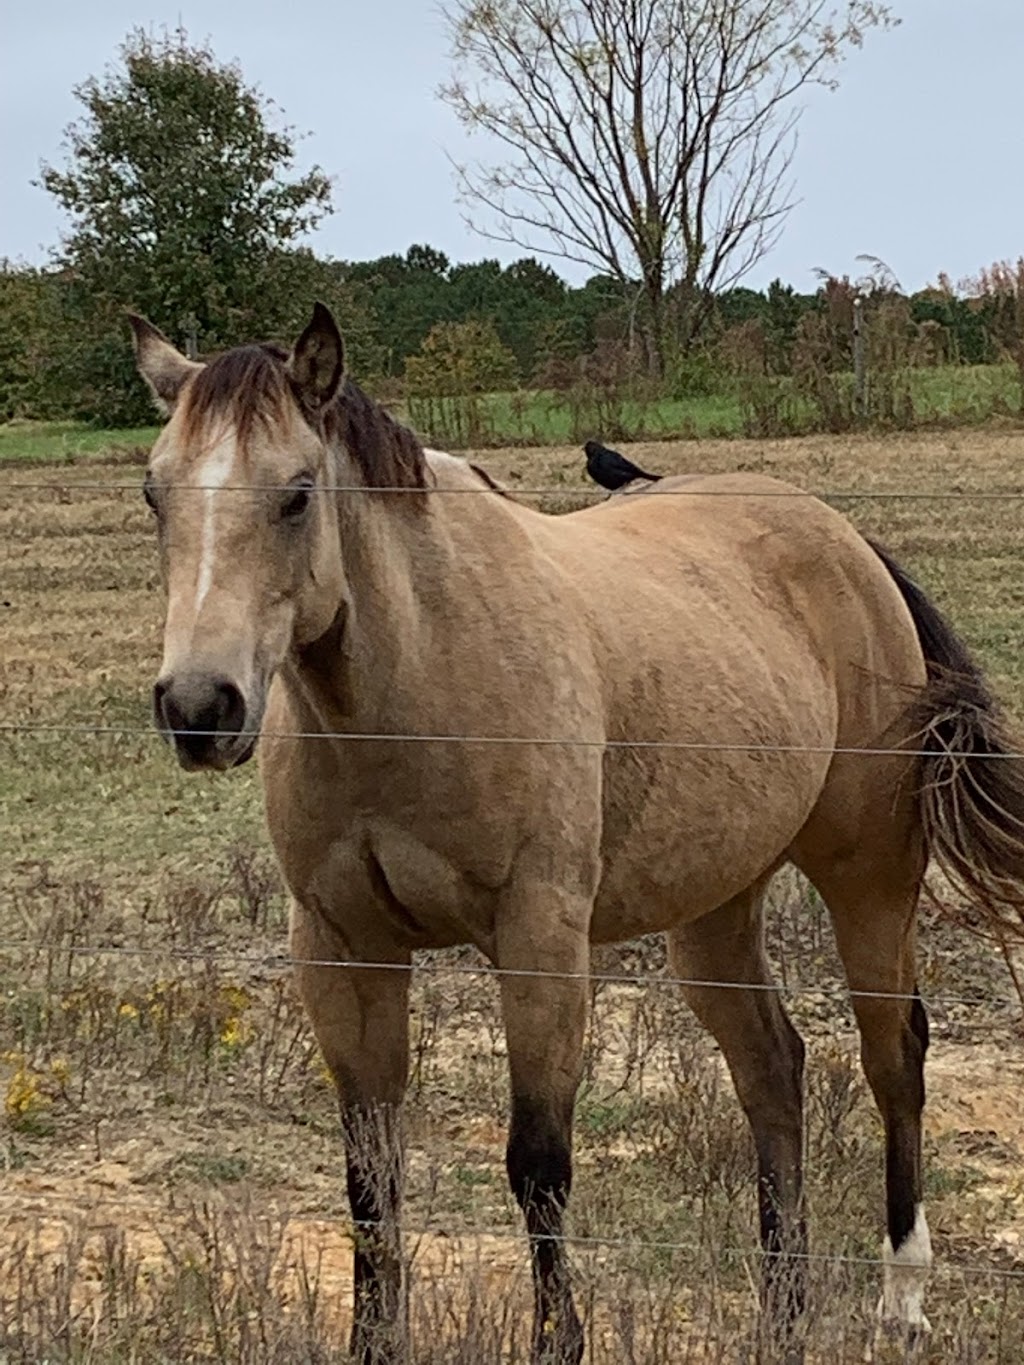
{"x": 448, "y": 377}
{"x": 408, "y": 294}
{"x": 183, "y": 196}
{"x": 530, "y": 307}
{"x": 460, "y": 358}
{"x": 522, "y": 301}
{"x": 24, "y": 304}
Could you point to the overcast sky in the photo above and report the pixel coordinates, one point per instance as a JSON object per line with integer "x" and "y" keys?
{"x": 917, "y": 158}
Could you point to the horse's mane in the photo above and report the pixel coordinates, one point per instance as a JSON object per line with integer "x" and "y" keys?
{"x": 250, "y": 384}
{"x": 491, "y": 482}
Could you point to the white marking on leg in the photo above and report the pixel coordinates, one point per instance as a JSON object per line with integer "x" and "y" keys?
{"x": 213, "y": 474}
{"x": 906, "y": 1275}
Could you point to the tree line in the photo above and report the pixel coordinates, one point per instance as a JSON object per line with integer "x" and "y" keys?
{"x": 420, "y": 323}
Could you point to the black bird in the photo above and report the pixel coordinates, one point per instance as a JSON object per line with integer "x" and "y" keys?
{"x": 612, "y": 470}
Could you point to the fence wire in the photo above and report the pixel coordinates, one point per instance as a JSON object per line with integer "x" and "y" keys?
{"x": 43, "y": 728}
{"x": 17, "y": 1200}
{"x": 513, "y": 491}
{"x": 263, "y": 962}
{"x": 283, "y": 962}
{"x": 506, "y": 1232}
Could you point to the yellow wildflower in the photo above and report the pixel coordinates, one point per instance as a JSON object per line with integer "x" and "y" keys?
{"x": 24, "y": 1096}
{"x": 236, "y": 997}
{"x": 236, "y": 1032}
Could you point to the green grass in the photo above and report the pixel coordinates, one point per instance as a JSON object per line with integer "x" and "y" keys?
{"x": 543, "y": 418}
{"x": 965, "y": 393}
{"x": 948, "y": 395}
{"x": 59, "y": 442}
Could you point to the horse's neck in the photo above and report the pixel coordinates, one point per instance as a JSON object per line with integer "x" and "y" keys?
{"x": 407, "y": 583}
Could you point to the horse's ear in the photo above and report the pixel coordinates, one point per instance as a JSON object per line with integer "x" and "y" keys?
{"x": 316, "y": 366}
{"x": 161, "y": 365}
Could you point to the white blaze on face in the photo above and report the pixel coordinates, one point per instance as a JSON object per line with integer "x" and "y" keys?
{"x": 212, "y": 475}
{"x": 906, "y": 1275}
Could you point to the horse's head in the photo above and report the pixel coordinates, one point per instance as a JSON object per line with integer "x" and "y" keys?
{"x": 249, "y": 546}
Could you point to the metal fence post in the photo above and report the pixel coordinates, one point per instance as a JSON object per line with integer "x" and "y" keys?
{"x": 860, "y": 404}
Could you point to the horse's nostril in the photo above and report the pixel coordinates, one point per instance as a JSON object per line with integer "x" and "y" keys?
{"x": 231, "y": 707}
{"x": 161, "y": 692}
{"x": 198, "y": 707}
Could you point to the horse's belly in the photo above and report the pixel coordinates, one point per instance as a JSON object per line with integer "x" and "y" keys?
{"x": 685, "y": 832}
{"x": 635, "y": 899}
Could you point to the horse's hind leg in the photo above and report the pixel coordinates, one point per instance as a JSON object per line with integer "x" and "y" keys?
{"x": 765, "y": 1056}
{"x": 872, "y": 895}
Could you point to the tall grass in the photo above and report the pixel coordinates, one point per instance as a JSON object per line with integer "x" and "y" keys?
{"x": 750, "y": 405}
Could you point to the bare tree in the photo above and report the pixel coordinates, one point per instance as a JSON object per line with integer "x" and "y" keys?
{"x": 651, "y": 140}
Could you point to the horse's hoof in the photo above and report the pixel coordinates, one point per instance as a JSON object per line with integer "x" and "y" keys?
{"x": 897, "y": 1339}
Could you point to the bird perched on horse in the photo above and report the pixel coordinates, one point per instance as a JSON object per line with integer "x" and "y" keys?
{"x": 612, "y": 470}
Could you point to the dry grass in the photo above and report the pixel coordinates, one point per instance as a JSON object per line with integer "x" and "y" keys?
{"x": 172, "y": 1184}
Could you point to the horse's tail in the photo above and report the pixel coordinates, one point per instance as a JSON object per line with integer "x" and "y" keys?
{"x": 972, "y": 772}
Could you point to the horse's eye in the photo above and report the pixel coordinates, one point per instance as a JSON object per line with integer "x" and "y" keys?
{"x": 149, "y": 494}
{"x": 296, "y": 504}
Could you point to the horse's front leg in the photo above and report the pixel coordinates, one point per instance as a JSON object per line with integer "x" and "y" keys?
{"x": 360, "y": 1017}
{"x": 545, "y": 1017}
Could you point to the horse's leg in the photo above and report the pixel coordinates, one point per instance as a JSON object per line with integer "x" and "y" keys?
{"x": 873, "y": 903}
{"x": 545, "y": 1018}
{"x": 360, "y": 1017}
{"x": 765, "y": 1056}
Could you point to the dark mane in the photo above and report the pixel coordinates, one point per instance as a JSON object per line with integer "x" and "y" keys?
{"x": 245, "y": 385}
{"x": 388, "y": 454}
{"x": 250, "y": 384}
{"x": 502, "y": 490}
{"x": 491, "y": 483}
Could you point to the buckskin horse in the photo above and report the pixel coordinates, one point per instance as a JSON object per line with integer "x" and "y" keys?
{"x": 483, "y": 724}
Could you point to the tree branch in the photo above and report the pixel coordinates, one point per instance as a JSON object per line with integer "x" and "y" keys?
{"x": 652, "y": 139}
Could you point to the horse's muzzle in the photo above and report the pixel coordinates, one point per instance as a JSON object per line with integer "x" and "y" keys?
{"x": 203, "y": 717}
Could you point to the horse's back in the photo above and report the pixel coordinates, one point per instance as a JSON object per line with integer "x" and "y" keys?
{"x": 750, "y": 629}
{"x": 737, "y": 567}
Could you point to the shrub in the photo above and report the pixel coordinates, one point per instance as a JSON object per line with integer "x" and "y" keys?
{"x": 457, "y": 364}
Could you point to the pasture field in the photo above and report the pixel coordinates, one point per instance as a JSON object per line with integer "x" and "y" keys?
{"x": 171, "y": 1183}
{"x": 56, "y": 442}
{"x": 947, "y": 395}
{"x": 942, "y": 395}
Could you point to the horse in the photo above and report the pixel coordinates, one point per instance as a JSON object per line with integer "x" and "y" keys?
{"x": 483, "y": 724}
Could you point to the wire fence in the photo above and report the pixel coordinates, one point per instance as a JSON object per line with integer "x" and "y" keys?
{"x": 23, "y": 1202}
{"x": 514, "y": 490}
{"x": 509, "y": 1232}
{"x": 262, "y": 962}
{"x": 43, "y": 729}
{"x": 528, "y": 741}
{"x": 283, "y": 962}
